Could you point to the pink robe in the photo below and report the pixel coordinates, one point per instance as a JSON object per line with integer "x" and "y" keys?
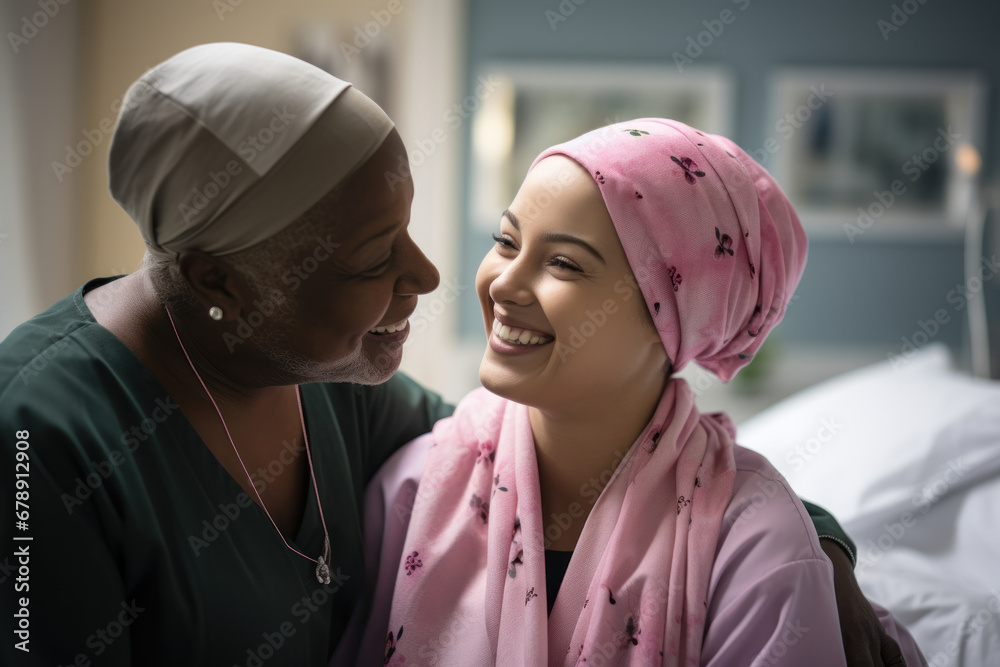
{"x": 770, "y": 600}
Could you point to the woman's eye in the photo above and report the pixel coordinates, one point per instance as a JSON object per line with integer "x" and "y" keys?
{"x": 502, "y": 240}
{"x": 378, "y": 270}
{"x": 563, "y": 264}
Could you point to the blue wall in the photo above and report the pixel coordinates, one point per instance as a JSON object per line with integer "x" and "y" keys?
{"x": 870, "y": 293}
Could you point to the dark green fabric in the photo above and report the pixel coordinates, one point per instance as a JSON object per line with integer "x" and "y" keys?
{"x": 827, "y": 528}
{"x": 126, "y": 566}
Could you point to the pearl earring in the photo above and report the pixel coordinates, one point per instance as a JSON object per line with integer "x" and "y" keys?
{"x": 215, "y": 313}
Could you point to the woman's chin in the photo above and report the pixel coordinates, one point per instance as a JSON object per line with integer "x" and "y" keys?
{"x": 501, "y": 382}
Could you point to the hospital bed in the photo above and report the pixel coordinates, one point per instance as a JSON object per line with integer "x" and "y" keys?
{"x": 906, "y": 454}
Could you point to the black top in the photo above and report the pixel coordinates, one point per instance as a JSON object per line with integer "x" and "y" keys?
{"x": 556, "y": 563}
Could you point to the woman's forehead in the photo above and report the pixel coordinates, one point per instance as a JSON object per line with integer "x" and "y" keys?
{"x": 559, "y": 195}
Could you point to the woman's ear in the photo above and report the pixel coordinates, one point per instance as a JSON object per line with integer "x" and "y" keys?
{"x": 214, "y": 283}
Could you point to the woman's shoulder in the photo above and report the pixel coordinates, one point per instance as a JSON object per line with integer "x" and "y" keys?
{"x": 771, "y": 582}
{"x": 57, "y": 369}
{"x": 765, "y": 526}
{"x": 764, "y": 507}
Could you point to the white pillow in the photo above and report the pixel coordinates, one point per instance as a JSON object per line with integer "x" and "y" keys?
{"x": 885, "y": 439}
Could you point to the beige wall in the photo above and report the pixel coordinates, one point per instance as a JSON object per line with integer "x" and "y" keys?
{"x": 123, "y": 38}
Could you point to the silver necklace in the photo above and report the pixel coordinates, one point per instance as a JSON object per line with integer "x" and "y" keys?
{"x": 322, "y": 563}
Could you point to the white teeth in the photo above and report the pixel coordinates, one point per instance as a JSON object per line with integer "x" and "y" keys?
{"x": 519, "y": 336}
{"x": 392, "y": 328}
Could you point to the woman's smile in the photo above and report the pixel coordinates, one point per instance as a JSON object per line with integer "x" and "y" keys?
{"x": 507, "y": 340}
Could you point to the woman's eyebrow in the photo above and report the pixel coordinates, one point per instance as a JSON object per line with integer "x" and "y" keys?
{"x": 552, "y": 237}
{"x": 378, "y": 235}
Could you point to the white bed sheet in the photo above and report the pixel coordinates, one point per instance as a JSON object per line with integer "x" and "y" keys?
{"x": 907, "y": 457}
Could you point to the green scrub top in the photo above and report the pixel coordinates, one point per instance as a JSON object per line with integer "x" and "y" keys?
{"x": 144, "y": 550}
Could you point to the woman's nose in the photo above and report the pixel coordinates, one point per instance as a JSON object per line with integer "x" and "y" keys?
{"x": 420, "y": 276}
{"x": 513, "y": 284}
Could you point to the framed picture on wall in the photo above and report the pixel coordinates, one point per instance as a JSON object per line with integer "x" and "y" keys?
{"x": 877, "y": 153}
{"x": 534, "y": 106}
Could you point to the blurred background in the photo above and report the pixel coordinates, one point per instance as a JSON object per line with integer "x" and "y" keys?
{"x": 878, "y": 119}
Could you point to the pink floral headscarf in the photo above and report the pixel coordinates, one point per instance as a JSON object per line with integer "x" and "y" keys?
{"x": 717, "y": 251}
{"x": 714, "y": 244}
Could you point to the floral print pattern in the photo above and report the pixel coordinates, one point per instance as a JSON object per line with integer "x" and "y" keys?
{"x": 390, "y": 649}
{"x": 480, "y": 507}
{"x": 690, "y": 168}
{"x": 725, "y": 244}
{"x": 412, "y": 563}
{"x": 518, "y": 559}
{"x": 487, "y": 452}
{"x": 675, "y": 278}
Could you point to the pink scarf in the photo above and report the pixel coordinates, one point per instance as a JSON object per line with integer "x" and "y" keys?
{"x": 717, "y": 251}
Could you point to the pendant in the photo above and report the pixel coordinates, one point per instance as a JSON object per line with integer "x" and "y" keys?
{"x": 322, "y": 569}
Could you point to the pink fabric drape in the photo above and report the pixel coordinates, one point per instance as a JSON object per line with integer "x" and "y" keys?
{"x": 471, "y": 589}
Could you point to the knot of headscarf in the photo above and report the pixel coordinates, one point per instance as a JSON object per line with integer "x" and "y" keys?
{"x": 715, "y": 246}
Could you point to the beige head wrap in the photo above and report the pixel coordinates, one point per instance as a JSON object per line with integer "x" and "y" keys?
{"x": 223, "y": 145}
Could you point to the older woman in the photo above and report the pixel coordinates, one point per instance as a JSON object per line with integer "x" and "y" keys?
{"x": 200, "y": 432}
{"x": 194, "y": 438}
{"x": 578, "y": 509}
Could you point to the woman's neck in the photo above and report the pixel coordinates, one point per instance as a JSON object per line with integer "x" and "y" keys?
{"x": 578, "y": 450}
